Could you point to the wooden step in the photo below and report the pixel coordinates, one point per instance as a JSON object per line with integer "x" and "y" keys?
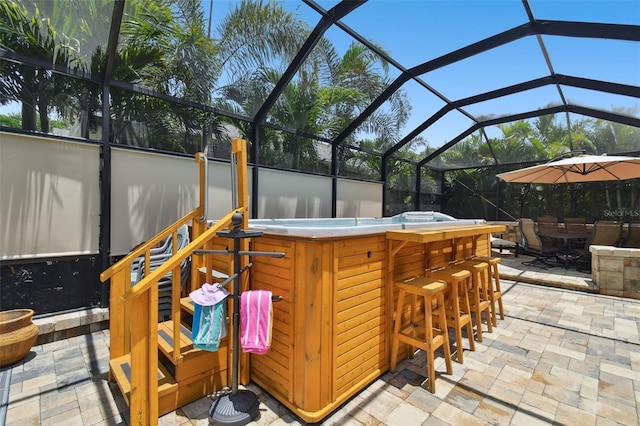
{"x": 187, "y": 305}
{"x": 171, "y": 394}
{"x": 216, "y": 276}
{"x": 165, "y": 338}
{"x": 121, "y": 370}
{"x": 196, "y": 362}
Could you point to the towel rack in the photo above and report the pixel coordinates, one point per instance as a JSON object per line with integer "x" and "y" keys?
{"x": 240, "y": 406}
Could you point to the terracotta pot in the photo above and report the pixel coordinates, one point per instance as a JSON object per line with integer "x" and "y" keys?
{"x": 18, "y": 333}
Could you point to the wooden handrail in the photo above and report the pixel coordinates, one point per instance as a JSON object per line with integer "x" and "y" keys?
{"x": 171, "y": 263}
{"x": 149, "y": 244}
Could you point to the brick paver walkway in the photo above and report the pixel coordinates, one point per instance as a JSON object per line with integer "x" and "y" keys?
{"x": 560, "y": 356}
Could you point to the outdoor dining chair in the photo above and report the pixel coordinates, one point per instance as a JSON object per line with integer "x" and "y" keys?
{"x": 576, "y": 225}
{"x": 605, "y": 233}
{"x": 548, "y": 225}
{"x": 534, "y": 245}
{"x": 632, "y": 237}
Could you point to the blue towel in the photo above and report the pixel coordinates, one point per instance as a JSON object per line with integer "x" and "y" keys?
{"x": 209, "y": 326}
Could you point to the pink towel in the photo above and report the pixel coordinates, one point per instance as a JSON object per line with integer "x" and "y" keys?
{"x": 256, "y": 317}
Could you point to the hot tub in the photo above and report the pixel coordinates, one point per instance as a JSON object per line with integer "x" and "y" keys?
{"x": 332, "y": 330}
{"x": 357, "y": 225}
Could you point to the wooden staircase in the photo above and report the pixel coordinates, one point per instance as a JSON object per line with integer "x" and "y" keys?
{"x": 154, "y": 363}
{"x": 198, "y": 374}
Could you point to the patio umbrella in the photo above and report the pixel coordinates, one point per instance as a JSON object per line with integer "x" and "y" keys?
{"x": 582, "y": 168}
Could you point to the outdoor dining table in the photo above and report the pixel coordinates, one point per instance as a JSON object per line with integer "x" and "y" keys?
{"x": 565, "y": 250}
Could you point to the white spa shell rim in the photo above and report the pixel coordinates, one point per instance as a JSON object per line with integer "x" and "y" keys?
{"x": 358, "y": 225}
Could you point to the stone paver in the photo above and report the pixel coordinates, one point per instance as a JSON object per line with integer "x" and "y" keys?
{"x": 560, "y": 356}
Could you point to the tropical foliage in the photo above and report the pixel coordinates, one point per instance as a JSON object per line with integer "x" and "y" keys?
{"x": 168, "y": 80}
{"x": 476, "y": 192}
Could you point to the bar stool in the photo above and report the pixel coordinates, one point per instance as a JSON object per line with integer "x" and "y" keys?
{"x": 495, "y": 292}
{"x": 479, "y": 299}
{"x": 457, "y": 307}
{"x": 428, "y": 338}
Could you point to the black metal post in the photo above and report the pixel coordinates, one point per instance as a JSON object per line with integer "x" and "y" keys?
{"x": 240, "y": 406}
{"x": 236, "y": 313}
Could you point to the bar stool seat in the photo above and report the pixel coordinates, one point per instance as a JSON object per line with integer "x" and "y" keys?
{"x": 495, "y": 292}
{"x": 457, "y": 307}
{"x": 479, "y": 299}
{"x": 427, "y": 337}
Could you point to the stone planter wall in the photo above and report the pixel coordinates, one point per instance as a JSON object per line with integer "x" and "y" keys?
{"x": 616, "y": 271}
{"x": 511, "y": 234}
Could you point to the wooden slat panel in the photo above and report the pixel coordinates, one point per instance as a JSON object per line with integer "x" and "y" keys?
{"x": 360, "y": 316}
{"x": 275, "y": 369}
{"x": 352, "y": 246}
{"x": 357, "y": 280}
{"x": 369, "y": 267}
{"x": 268, "y": 363}
{"x": 360, "y": 313}
{"x": 439, "y": 253}
{"x": 345, "y": 334}
{"x": 464, "y": 247}
{"x": 197, "y": 362}
{"x": 359, "y": 251}
{"x": 347, "y": 288}
{"x": 267, "y": 243}
{"x": 277, "y": 386}
{"x": 281, "y": 330}
{"x": 409, "y": 261}
{"x": 358, "y": 356}
{"x": 362, "y": 259}
{"x": 483, "y": 245}
{"x": 282, "y": 272}
{"x": 375, "y": 295}
{"x": 358, "y": 370}
{"x": 282, "y": 325}
{"x": 373, "y": 331}
{"x": 280, "y": 352}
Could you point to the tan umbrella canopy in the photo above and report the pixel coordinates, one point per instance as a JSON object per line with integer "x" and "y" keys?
{"x": 582, "y": 168}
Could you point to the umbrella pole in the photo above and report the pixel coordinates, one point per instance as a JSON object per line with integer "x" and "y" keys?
{"x": 523, "y": 195}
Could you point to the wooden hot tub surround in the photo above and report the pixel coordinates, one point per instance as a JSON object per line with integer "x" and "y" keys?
{"x": 332, "y": 331}
{"x": 330, "y": 334}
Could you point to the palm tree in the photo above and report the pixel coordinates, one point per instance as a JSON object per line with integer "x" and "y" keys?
{"x": 253, "y": 39}
{"x": 72, "y": 34}
{"x": 258, "y": 41}
{"x": 192, "y": 71}
{"x": 27, "y": 32}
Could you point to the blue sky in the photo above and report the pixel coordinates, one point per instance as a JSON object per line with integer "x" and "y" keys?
{"x": 416, "y": 31}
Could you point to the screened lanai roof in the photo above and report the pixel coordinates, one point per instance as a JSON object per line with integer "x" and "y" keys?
{"x": 465, "y": 67}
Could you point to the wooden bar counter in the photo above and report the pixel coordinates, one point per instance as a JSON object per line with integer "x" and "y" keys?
{"x": 332, "y": 331}
{"x": 411, "y": 251}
